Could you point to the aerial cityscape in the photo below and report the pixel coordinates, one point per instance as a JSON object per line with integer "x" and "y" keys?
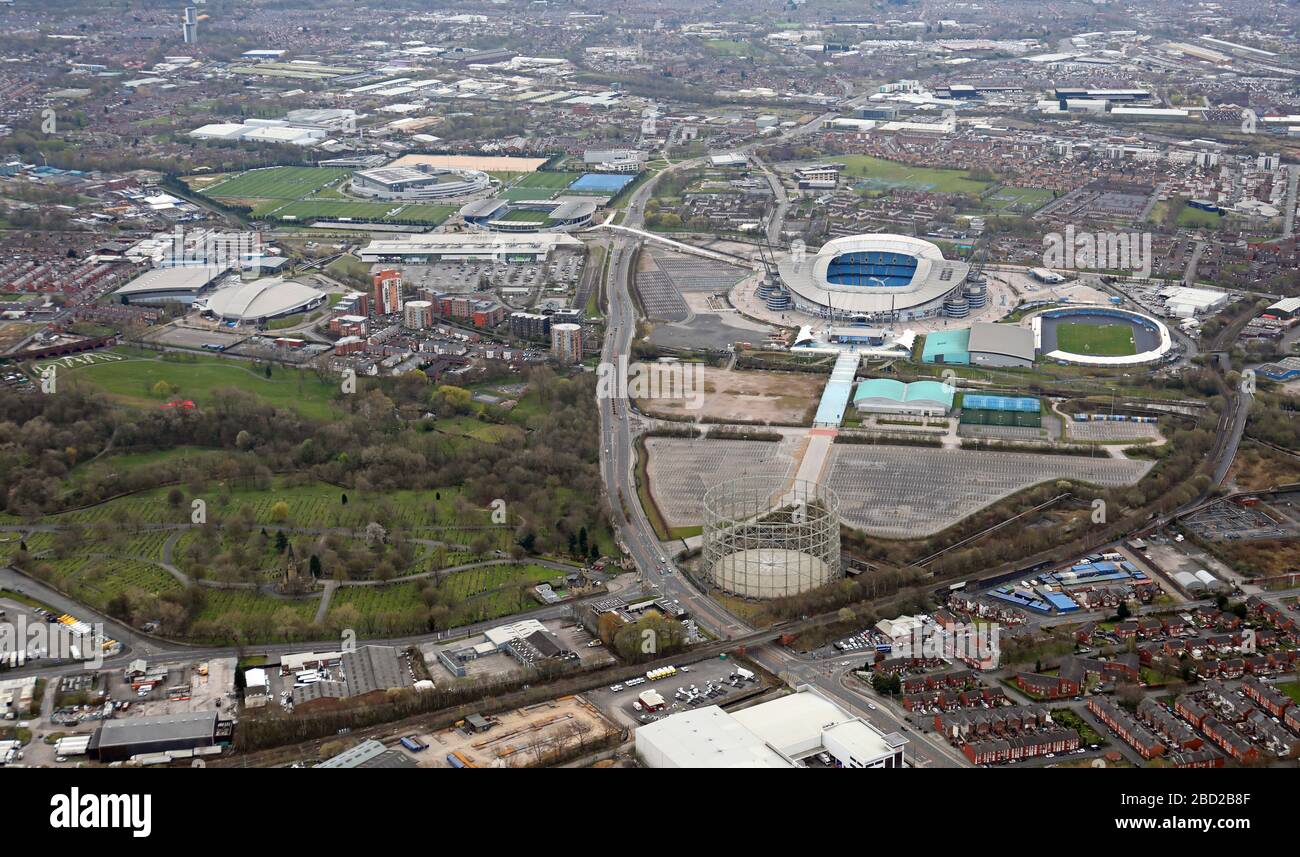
{"x": 566, "y": 384}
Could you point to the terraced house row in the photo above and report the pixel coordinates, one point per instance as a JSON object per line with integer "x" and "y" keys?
{"x": 1020, "y": 747}
{"x": 1137, "y": 736}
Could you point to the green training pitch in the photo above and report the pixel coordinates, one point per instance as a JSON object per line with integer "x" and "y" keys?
{"x": 275, "y": 183}
{"x": 553, "y": 181}
{"x": 1100, "y": 340}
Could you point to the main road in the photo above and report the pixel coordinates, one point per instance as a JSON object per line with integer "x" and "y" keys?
{"x": 618, "y": 427}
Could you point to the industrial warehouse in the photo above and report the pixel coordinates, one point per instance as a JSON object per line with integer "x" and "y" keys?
{"x": 804, "y": 729}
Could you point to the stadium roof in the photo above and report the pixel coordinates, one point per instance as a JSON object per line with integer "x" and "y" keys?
{"x": 482, "y": 207}
{"x": 1006, "y": 339}
{"x": 933, "y": 278}
{"x": 263, "y": 299}
{"x": 573, "y": 209}
{"x": 1001, "y": 403}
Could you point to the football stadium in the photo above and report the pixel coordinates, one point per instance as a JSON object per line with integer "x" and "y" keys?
{"x": 876, "y": 278}
{"x": 1100, "y": 336}
{"x": 556, "y": 215}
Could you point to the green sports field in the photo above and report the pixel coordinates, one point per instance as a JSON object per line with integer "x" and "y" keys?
{"x": 1101, "y": 340}
{"x": 330, "y": 209}
{"x": 275, "y": 183}
{"x": 879, "y": 173}
{"x": 1018, "y": 199}
{"x": 307, "y": 194}
{"x": 553, "y": 181}
{"x": 523, "y": 215}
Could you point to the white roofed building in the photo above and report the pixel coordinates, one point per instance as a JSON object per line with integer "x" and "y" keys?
{"x": 783, "y": 733}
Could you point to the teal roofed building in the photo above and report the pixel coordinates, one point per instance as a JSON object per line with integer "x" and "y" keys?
{"x": 947, "y": 346}
{"x": 920, "y": 398}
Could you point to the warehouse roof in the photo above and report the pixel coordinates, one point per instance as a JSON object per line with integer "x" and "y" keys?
{"x": 372, "y": 668}
{"x": 369, "y": 754}
{"x": 710, "y": 738}
{"x": 167, "y": 727}
{"x": 794, "y": 725}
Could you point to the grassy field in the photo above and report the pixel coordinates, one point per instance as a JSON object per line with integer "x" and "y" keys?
{"x": 375, "y": 212}
{"x": 1195, "y": 218}
{"x": 552, "y": 181}
{"x": 310, "y": 193}
{"x": 523, "y": 215}
{"x": 131, "y": 382}
{"x": 275, "y": 183}
{"x": 1020, "y": 200}
{"x": 879, "y": 173}
{"x": 1103, "y": 340}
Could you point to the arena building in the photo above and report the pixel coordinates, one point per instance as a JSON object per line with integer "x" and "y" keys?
{"x": 919, "y": 398}
{"x": 419, "y": 183}
{"x": 500, "y": 215}
{"x": 879, "y": 278}
{"x": 982, "y": 344}
{"x": 260, "y": 300}
{"x": 181, "y": 284}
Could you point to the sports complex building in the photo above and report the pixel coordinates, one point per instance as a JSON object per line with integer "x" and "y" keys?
{"x": 981, "y": 344}
{"x": 1085, "y": 335}
{"x": 919, "y": 398}
{"x": 883, "y": 277}
{"x": 419, "y": 183}
{"x": 501, "y": 215}
{"x": 454, "y": 247}
{"x": 260, "y": 300}
{"x": 180, "y": 284}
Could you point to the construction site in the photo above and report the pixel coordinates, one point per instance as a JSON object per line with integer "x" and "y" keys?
{"x": 522, "y": 738}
